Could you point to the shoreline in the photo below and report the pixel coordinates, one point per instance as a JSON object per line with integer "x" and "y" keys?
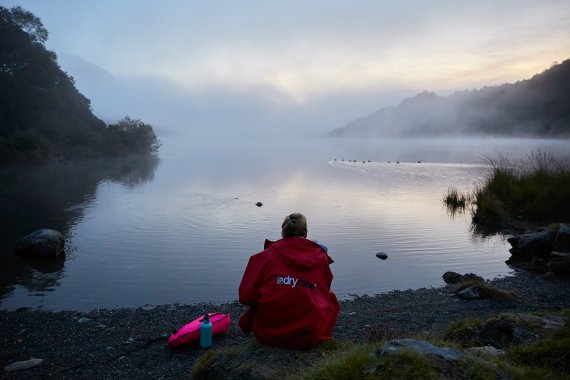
{"x": 132, "y": 342}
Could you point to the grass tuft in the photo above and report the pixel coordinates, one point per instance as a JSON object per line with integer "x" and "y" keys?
{"x": 350, "y": 363}
{"x": 535, "y": 188}
{"x": 455, "y": 201}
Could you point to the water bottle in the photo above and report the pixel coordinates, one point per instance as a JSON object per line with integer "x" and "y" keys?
{"x": 206, "y": 332}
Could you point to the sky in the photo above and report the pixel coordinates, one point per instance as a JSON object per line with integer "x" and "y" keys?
{"x": 290, "y": 68}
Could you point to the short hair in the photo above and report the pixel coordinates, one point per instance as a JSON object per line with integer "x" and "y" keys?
{"x": 294, "y": 225}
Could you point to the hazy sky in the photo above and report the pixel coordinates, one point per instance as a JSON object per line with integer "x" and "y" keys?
{"x": 297, "y": 67}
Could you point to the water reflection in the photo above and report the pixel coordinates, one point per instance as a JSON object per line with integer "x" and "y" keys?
{"x": 54, "y": 196}
{"x": 186, "y": 237}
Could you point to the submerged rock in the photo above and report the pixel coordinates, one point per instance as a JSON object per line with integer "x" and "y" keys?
{"x": 41, "y": 244}
{"x": 382, "y": 255}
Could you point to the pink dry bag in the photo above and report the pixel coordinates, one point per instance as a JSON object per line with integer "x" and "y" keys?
{"x": 191, "y": 332}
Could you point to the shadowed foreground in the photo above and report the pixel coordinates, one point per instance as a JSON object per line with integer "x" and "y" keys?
{"x": 133, "y": 342}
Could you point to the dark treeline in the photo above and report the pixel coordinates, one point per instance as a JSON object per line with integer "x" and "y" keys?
{"x": 537, "y": 107}
{"x": 42, "y": 114}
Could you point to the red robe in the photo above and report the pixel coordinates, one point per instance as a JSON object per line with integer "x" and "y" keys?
{"x": 287, "y": 287}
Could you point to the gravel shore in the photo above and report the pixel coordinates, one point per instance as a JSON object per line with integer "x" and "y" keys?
{"x": 132, "y": 343}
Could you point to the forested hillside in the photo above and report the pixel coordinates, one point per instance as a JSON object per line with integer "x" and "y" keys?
{"x": 537, "y": 107}
{"x": 42, "y": 114}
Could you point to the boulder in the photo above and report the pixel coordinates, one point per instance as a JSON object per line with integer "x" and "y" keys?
{"x": 533, "y": 244}
{"x": 41, "y": 244}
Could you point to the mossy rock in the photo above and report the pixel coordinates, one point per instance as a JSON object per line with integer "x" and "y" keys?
{"x": 498, "y": 332}
{"x": 552, "y": 352}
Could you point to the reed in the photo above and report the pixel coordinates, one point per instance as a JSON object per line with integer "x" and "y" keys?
{"x": 455, "y": 199}
{"x": 535, "y": 188}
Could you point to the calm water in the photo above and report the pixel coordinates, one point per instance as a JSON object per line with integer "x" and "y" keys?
{"x": 181, "y": 228}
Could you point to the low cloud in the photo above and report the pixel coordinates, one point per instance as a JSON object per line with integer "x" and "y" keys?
{"x": 220, "y": 111}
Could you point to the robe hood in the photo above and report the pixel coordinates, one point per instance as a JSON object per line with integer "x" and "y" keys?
{"x": 299, "y": 254}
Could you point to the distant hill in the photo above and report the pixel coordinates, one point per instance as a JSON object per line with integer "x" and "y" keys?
{"x": 42, "y": 114}
{"x": 537, "y": 107}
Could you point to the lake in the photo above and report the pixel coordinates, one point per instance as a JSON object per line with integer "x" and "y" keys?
{"x": 180, "y": 228}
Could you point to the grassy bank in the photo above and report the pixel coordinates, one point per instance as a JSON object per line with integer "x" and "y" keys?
{"x": 545, "y": 355}
{"x": 533, "y": 189}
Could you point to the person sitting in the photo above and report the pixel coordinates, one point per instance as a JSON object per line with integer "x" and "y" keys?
{"x": 287, "y": 289}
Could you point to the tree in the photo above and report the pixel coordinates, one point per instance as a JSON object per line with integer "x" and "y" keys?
{"x": 42, "y": 114}
{"x": 135, "y": 135}
{"x": 27, "y": 22}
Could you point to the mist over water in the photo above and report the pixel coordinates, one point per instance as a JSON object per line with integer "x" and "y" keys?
{"x": 182, "y": 228}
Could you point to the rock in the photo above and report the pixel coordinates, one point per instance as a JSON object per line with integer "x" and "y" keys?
{"x": 472, "y": 277}
{"x": 553, "y": 322}
{"x": 130, "y": 340}
{"x": 483, "y": 291}
{"x": 41, "y": 244}
{"x": 533, "y": 244}
{"x": 500, "y": 333}
{"x": 559, "y": 266}
{"x": 562, "y": 239}
{"x": 382, "y": 255}
{"x": 259, "y": 204}
{"x": 548, "y": 322}
{"x": 452, "y": 277}
{"x": 560, "y": 254}
{"x": 419, "y": 347}
{"x": 489, "y": 350}
{"x": 455, "y": 278}
{"x": 24, "y": 364}
{"x": 470, "y": 292}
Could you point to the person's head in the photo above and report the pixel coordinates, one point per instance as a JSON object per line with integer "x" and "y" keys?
{"x": 294, "y": 225}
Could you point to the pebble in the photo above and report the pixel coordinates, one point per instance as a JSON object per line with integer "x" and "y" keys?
{"x": 24, "y": 364}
